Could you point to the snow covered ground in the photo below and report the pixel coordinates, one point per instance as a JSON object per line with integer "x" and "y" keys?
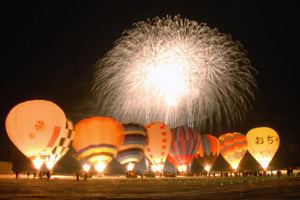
{"x": 66, "y": 187}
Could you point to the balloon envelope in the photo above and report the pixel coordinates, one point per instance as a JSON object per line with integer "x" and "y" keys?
{"x": 263, "y": 143}
{"x": 34, "y": 127}
{"x": 134, "y": 144}
{"x": 158, "y": 147}
{"x": 233, "y": 147}
{"x": 208, "y": 151}
{"x": 184, "y": 145}
{"x": 97, "y": 140}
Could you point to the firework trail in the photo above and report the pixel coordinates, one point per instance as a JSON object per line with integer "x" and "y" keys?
{"x": 175, "y": 71}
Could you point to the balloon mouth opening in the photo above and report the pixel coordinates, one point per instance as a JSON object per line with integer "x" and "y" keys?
{"x": 38, "y": 162}
{"x": 235, "y": 166}
{"x": 264, "y": 163}
{"x": 157, "y": 167}
{"x": 86, "y": 167}
{"x": 130, "y": 166}
{"x": 100, "y": 166}
{"x": 207, "y": 168}
{"x": 182, "y": 168}
{"x": 50, "y": 164}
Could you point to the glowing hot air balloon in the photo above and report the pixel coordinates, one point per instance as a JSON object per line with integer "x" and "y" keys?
{"x": 61, "y": 146}
{"x": 34, "y": 127}
{"x": 233, "y": 147}
{"x": 97, "y": 140}
{"x": 158, "y": 148}
{"x": 263, "y": 143}
{"x": 184, "y": 145}
{"x": 208, "y": 151}
{"x": 133, "y": 147}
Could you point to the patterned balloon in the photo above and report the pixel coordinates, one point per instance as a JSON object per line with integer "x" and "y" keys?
{"x": 233, "y": 147}
{"x": 133, "y": 147}
{"x": 263, "y": 143}
{"x": 208, "y": 151}
{"x": 159, "y": 144}
{"x": 184, "y": 145}
{"x": 97, "y": 140}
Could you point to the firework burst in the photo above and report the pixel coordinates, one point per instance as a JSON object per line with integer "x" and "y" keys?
{"x": 175, "y": 71}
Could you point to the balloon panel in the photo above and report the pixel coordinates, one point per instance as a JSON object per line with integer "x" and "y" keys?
{"x": 135, "y": 142}
{"x": 62, "y": 144}
{"x": 159, "y": 136}
{"x": 184, "y": 145}
{"x": 209, "y": 144}
{"x": 263, "y": 143}
{"x": 233, "y": 147}
{"x": 34, "y": 126}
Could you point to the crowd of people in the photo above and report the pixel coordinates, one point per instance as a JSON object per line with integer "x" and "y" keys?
{"x": 46, "y": 174}
{"x": 40, "y": 174}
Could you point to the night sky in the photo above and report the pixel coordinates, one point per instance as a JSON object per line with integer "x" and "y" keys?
{"x": 49, "y": 50}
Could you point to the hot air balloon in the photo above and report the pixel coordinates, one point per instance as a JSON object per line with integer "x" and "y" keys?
{"x": 133, "y": 147}
{"x": 233, "y": 147}
{"x": 208, "y": 151}
{"x": 158, "y": 148}
{"x": 62, "y": 145}
{"x": 97, "y": 140}
{"x": 34, "y": 127}
{"x": 263, "y": 143}
{"x": 185, "y": 142}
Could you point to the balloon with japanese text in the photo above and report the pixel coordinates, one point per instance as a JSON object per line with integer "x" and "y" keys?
{"x": 233, "y": 147}
{"x": 263, "y": 143}
{"x": 34, "y": 127}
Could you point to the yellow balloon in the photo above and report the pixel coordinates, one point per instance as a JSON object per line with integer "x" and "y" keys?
{"x": 263, "y": 143}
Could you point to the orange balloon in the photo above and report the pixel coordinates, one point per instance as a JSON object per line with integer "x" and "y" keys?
{"x": 35, "y": 126}
{"x": 233, "y": 147}
{"x": 97, "y": 139}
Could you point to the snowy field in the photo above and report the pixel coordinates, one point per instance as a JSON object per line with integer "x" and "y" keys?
{"x": 66, "y": 187}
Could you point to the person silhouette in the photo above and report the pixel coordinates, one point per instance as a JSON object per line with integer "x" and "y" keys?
{"x": 34, "y": 174}
{"x": 77, "y": 176}
{"x": 17, "y": 174}
{"x": 48, "y": 174}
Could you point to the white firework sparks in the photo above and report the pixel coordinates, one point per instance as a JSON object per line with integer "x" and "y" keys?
{"x": 175, "y": 71}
